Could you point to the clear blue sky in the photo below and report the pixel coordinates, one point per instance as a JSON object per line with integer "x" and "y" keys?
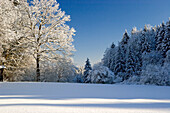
{"x": 100, "y": 22}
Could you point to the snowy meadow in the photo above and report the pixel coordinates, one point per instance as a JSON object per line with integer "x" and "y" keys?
{"x": 83, "y": 98}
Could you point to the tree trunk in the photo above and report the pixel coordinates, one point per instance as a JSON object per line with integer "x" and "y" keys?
{"x": 38, "y": 68}
{"x": 1, "y": 75}
{"x": 38, "y": 55}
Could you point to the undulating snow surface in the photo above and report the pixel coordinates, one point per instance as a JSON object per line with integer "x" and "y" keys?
{"x": 83, "y": 98}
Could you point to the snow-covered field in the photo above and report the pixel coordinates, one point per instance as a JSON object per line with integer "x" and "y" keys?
{"x": 83, "y": 98}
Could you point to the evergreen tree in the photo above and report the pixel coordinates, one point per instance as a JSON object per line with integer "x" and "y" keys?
{"x": 166, "y": 39}
{"x": 146, "y": 46}
{"x": 143, "y": 39}
{"x": 137, "y": 56}
{"x": 87, "y": 69}
{"x": 124, "y": 42}
{"x": 106, "y": 57}
{"x": 109, "y": 57}
{"x": 160, "y": 37}
{"x": 113, "y": 45}
{"x": 112, "y": 57}
{"x": 124, "y": 45}
{"x": 130, "y": 64}
{"x": 125, "y": 38}
{"x": 120, "y": 63}
{"x": 135, "y": 44}
{"x": 153, "y": 39}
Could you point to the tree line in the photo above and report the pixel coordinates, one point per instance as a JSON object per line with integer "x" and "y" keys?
{"x": 143, "y": 56}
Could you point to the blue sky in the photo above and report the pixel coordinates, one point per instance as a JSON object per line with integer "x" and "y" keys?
{"x": 98, "y": 23}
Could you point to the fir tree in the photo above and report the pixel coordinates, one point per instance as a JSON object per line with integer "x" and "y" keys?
{"x": 124, "y": 42}
{"x": 137, "y": 56}
{"x": 146, "y": 47}
{"x": 123, "y": 46}
{"x": 161, "y": 35}
{"x": 120, "y": 63}
{"x": 112, "y": 57}
{"x": 166, "y": 39}
{"x": 109, "y": 57}
{"x": 143, "y": 39}
{"x": 125, "y": 38}
{"x": 87, "y": 69}
{"x": 130, "y": 64}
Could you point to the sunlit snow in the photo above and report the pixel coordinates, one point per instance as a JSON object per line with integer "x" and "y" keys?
{"x": 82, "y": 98}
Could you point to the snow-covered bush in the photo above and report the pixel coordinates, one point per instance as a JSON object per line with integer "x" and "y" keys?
{"x": 156, "y": 74}
{"x": 101, "y": 74}
{"x": 167, "y": 59}
{"x": 61, "y": 70}
{"x": 154, "y": 58}
{"x": 132, "y": 80}
{"x": 29, "y": 74}
{"x": 79, "y": 75}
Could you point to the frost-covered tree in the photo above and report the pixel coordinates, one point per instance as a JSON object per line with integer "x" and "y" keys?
{"x": 166, "y": 39}
{"x": 33, "y": 29}
{"x": 120, "y": 63}
{"x": 101, "y": 74}
{"x": 144, "y": 40}
{"x": 156, "y": 74}
{"x": 124, "y": 43}
{"x": 106, "y": 57}
{"x": 130, "y": 64}
{"x": 161, "y": 35}
{"x": 109, "y": 57}
{"x": 79, "y": 75}
{"x": 125, "y": 38}
{"x": 48, "y": 36}
{"x": 60, "y": 70}
{"x": 124, "y": 46}
{"x": 87, "y": 69}
{"x": 11, "y": 40}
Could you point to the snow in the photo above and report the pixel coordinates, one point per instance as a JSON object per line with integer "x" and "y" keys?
{"x": 83, "y": 98}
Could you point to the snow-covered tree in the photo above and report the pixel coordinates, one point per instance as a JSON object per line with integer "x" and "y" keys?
{"x": 87, "y": 69}
{"x": 166, "y": 39}
{"x": 167, "y": 59}
{"x": 144, "y": 40}
{"x": 124, "y": 46}
{"x": 11, "y": 40}
{"x": 125, "y": 38}
{"x": 106, "y": 57}
{"x": 120, "y": 63}
{"x": 109, "y": 57}
{"x": 60, "y": 70}
{"x": 156, "y": 74}
{"x": 101, "y": 74}
{"x": 79, "y": 75}
{"x": 130, "y": 64}
{"x": 48, "y": 36}
{"x": 33, "y": 29}
{"x": 161, "y": 35}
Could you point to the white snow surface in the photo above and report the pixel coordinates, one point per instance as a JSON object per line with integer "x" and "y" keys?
{"x": 83, "y": 98}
